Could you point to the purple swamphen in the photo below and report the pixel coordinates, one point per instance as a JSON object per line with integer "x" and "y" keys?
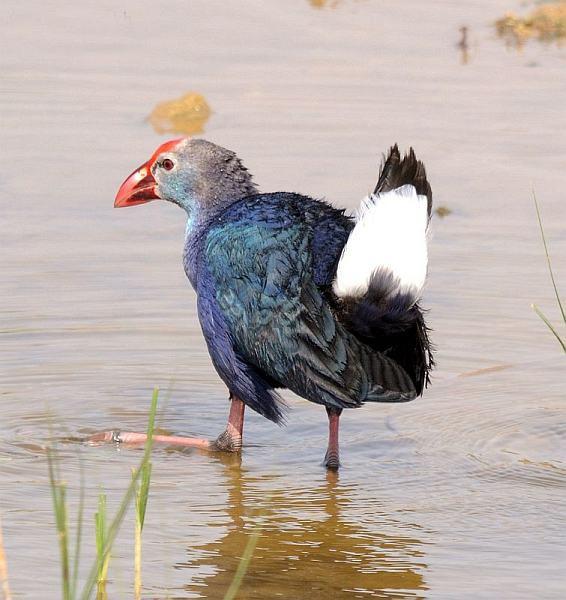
{"x": 291, "y": 292}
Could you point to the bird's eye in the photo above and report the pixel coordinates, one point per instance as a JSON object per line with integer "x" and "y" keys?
{"x": 167, "y": 164}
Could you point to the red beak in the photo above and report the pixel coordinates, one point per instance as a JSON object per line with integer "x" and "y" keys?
{"x": 139, "y": 188}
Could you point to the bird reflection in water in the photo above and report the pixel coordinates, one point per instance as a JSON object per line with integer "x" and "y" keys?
{"x": 314, "y": 543}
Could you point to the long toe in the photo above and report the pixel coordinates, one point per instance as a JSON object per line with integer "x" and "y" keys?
{"x": 131, "y": 438}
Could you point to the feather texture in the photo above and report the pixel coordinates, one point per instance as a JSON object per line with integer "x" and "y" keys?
{"x": 390, "y": 235}
{"x": 265, "y": 282}
{"x": 383, "y": 268}
{"x": 397, "y": 172}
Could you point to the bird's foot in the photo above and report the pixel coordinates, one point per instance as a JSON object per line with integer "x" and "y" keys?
{"x": 130, "y": 438}
{"x": 332, "y": 461}
{"x": 229, "y": 440}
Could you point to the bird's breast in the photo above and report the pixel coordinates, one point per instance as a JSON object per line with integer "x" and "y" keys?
{"x": 190, "y": 260}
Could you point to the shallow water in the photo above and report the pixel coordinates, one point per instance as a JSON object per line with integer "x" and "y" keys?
{"x": 460, "y": 494}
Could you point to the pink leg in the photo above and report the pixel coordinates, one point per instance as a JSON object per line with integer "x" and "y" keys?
{"x": 332, "y": 458}
{"x": 229, "y": 441}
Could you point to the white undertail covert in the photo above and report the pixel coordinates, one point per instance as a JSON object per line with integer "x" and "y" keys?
{"x": 390, "y": 235}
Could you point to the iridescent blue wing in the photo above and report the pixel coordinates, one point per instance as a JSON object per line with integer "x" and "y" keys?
{"x": 261, "y": 279}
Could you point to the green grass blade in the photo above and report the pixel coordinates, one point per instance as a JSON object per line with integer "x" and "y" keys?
{"x": 550, "y": 326}
{"x": 114, "y": 527}
{"x": 166, "y": 399}
{"x": 137, "y": 548}
{"x": 78, "y": 538}
{"x": 137, "y": 560}
{"x": 142, "y": 496}
{"x": 549, "y": 264}
{"x": 244, "y": 564}
{"x": 58, "y": 494}
{"x": 100, "y": 536}
{"x": 151, "y": 422}
{"x": 145, "y": 478}
{"x": 109, "y": 541}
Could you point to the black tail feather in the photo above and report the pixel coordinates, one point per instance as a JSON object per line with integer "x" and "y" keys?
{"x": 393, "y": 324}
{"x": 386, "y": 318}
{"x": 397, "y": 171}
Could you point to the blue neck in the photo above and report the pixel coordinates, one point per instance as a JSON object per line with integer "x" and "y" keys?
{"x": 189, "y": 227}
{"x": 198, "y": 223}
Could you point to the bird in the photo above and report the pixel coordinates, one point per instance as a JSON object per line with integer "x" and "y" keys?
{"x": 292, "y": 292}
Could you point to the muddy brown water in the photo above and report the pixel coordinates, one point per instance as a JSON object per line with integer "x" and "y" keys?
{"x": 460, "y": 494}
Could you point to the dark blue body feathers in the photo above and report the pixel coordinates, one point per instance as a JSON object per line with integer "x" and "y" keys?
{"x": 263, "y": 269}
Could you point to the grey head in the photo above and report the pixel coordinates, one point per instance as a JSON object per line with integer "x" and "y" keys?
{"x": 197, "y": 175}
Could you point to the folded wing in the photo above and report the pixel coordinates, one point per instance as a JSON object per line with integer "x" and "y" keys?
{"x": 264, "y": 274}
